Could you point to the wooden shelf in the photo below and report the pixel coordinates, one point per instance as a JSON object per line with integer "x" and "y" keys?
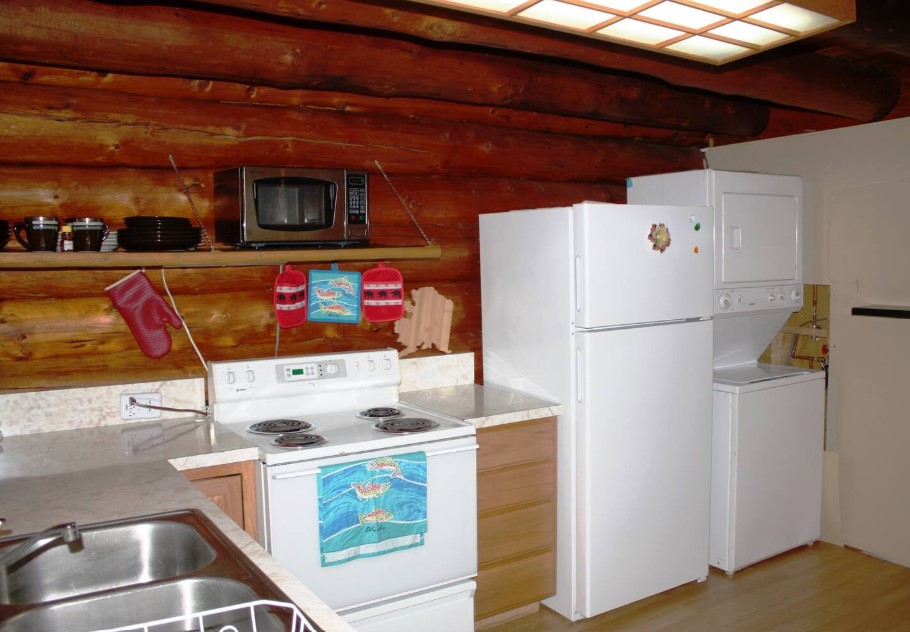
{"x": 21, "y": 260}
{"x": 882, "y": 311}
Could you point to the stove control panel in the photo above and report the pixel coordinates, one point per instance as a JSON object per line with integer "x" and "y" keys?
{"x": 330, "y": 380}
{"x": 306, "y": 371}
{"x": 755, "y": 299}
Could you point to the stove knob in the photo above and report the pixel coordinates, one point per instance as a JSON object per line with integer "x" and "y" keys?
{"x": 387, "y": 364}
{"x": 331, "y": 369}
{"x": 371, "y": 366}
{"x": 250, "y": 375}
{"x": 724, "y": 301}
{"x": 230, "y": 377}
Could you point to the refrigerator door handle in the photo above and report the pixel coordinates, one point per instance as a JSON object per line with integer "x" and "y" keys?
{"x": 579, "y": 284}
{"x": 579, "y": 375}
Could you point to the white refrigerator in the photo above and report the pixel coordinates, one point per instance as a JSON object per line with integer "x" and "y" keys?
{"x": 607, "y": 308}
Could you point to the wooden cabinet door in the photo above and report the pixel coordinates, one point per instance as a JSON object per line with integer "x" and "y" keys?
{"x": 232, "y": 487}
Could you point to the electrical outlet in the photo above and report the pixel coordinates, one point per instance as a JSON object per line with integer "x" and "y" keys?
{"x": 131, "y": 411}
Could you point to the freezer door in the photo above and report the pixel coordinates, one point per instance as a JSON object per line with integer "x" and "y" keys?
{"x": 644, "y": 461}
{"x": 642, "y": 263}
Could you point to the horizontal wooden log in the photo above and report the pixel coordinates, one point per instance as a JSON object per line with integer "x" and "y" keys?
{"x": 160, "y": 40}
{"x": 85, "y": 341}
{"x": 348, "y": 103}
{"x": 799, "y": 80}
{"x": 40, "y": 124}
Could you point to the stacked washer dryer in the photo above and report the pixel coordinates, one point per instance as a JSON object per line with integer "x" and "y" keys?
{"x": 768, "y": 428}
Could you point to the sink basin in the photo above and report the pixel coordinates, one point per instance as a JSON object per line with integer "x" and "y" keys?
{"x": 149, "y": 603}
{"x": 107, "y": 556}
{"x": 137, "y": 570}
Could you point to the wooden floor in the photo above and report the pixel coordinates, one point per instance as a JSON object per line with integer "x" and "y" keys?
{"x": 821, "y": 587}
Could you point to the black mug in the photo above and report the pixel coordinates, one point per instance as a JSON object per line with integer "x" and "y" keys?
{"x": 88, "y": 233}
{"x": 40, "y": 232}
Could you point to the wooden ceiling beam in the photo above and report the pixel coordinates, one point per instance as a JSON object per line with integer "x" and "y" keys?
{"x": 161, "y": 40}
{"x": 791, "y": 79}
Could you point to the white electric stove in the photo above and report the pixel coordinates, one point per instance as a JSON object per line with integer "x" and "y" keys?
{"x": 307, "y": 413}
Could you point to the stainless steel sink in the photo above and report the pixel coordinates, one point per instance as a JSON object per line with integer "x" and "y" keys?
{"x": 150, "y": 603}
{"x": 106, "y": 557}
{"x": 133, "y": 571}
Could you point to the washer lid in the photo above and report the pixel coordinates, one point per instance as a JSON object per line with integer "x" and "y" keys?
{"x": 739, "y": 339}
{"x": 756, "y": 376}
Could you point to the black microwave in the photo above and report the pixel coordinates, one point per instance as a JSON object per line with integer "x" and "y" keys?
{"x": 257, "y": 207}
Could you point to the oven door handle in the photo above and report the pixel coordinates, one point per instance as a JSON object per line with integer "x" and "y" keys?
{"x": 302, "y": 473}
{"x": 452, "y": 450}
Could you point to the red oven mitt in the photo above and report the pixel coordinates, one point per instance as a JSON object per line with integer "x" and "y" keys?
{"x": 145, "y": 312}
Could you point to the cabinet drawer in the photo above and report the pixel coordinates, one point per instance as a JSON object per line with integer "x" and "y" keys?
{"x": 508, "y": 586}
{"x": 516, "y": 532}
{"x": 516, "y": 443}
{"x": 519, "y": 485}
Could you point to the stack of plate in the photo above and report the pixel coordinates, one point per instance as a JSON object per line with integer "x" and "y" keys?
{"x": 158, "y": 232}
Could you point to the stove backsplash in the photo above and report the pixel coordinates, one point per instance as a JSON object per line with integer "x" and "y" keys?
{"x": 66, "y": 409}
{"x": 90, "y": 407}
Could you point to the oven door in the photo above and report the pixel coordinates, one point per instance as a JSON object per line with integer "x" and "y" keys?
{"x": 289, "y": 528}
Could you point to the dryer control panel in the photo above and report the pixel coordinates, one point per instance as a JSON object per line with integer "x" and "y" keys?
{"x": 754, "y": 299}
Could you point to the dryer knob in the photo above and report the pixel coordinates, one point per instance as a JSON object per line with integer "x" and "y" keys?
{"x": 771, "y": 297}
{"x": 795, "y": 294}
{"x": 724, "y": 301}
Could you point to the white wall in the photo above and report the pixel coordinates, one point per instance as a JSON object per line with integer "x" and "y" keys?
{"x": 857, "y": 239}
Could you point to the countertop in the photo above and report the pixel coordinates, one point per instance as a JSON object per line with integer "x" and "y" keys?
{"x": 483, "y": 406}
{"x": 90, "y": 475}
{"x": 93, "y": 475}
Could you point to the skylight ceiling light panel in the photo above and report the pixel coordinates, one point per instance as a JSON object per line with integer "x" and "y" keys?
{"x": 750, "y": 34}
{"x": 565, "y": 15}
{"x": 794, "y": 18}
{"x": 495, "y": 6}
{"x": 618, "y": 6}
{"x": 640, "y": 32}
{"x": 734, "y": 7}
{"x": 681, "y": 15}
{"x": 707, "y": 48}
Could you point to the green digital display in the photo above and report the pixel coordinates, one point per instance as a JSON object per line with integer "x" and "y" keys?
{"x": 296, "y": 371}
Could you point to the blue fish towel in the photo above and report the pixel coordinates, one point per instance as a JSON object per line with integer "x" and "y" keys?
{"x": 372, "y": 507}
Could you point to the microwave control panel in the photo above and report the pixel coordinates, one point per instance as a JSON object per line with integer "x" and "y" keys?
{"x": 356, "y": 188}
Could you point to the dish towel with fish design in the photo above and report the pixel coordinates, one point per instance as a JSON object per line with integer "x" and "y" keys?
{"x": 372, "y": 507}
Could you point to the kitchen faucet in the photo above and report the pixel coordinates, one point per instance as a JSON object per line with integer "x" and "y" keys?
{"x": 68, "y": 531}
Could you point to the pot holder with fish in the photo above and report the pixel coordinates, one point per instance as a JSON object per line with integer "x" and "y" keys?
{"x": 290, "y": 297}
{"x": 334, "y": 296}
{"x": 383, "y": 294}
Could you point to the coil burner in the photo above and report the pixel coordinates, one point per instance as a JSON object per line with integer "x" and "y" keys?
{"x": 279, "y": 426}
{"x": 405, "y": 425}
{"x": 380, "y": 413}
{"x": 298, "y": 440}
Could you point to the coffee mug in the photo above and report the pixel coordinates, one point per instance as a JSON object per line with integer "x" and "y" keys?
{"x": 88, "y": 232}
{"x": 4, "y": 233}
{"x": 40, "y": 232}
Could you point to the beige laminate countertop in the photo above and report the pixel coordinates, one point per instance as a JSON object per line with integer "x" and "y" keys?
{"x": 483, "y": 406}
{"x": 94, "y": 475}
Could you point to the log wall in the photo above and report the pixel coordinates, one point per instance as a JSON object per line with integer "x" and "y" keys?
{"x": 77, "y": 139}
